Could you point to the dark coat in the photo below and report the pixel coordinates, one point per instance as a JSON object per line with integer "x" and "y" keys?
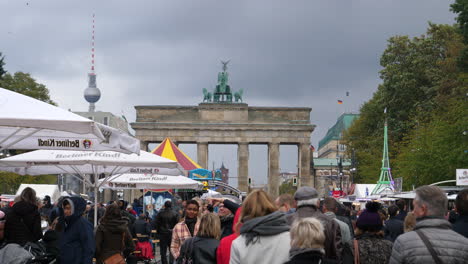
{"x": 165, "y": 221}
{"x": 109, "y": 236}
{"x": 23, "y": 223}
{"x": 143, "y": 228}
{"x": 401, "y": 215}
{"x": 333, "y": 245}
{"x": 77, "y": 240}
{"x": 203, "y": 249}
{"x": 461, "y": 225}
{"x": 228, "y": 221}
{"x": 393, "y": 228}
{"x": 310, "y": 257}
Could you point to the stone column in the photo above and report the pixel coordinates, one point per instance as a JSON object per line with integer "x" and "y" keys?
{"x": 243, "y": 167}
{"x": 202, "y": 154}
{"x": 144, "y": 145}
{"x": 305, "y": 178}
{"x": 273, "y": 169}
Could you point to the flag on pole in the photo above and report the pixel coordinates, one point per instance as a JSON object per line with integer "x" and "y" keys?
{"x": 340, "y": 102}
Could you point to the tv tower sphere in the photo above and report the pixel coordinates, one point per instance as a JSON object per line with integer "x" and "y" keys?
{"x": 92, "y": 93}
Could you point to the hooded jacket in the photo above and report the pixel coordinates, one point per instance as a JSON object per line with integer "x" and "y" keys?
{"x": 112, "y": 237}
{"x": 77, "y": 240}
{"x": 23, "y": 223}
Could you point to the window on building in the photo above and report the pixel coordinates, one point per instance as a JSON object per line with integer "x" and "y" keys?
{"x": 342, "y": 147}
{"x": 106, "y": 120}
{"x": 92, "y": 118}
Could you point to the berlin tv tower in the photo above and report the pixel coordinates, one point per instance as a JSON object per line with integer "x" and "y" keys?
{"x": 92, "y": 93}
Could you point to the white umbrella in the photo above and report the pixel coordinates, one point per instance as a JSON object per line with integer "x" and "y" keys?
{"x": 148, "y": 181}
{"x": 41, "y": 162}
{"x": 27, "y": 123}
{"x": 88, "y": 162}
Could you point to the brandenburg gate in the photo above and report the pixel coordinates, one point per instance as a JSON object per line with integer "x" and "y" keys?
{"x": 222, "y": 121}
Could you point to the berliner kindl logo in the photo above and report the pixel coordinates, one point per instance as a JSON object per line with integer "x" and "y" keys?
{"x": 87, "y": 143}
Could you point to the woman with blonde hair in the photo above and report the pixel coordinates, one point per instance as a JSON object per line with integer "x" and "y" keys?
{"x": 307, "y": 242}
{"x": 409, "y": 223}
{"x": 202, "y": 248}
{"x": 264, "y": 232}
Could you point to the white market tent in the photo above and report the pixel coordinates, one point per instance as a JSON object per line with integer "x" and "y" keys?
{"x": 148, "y": 181}
{"x": 27, "y": 123}
{"x": 363, "y": 190}
{"x": 42, "y": 190}
{"x": 41, "y": 162}
{"x": 88, "y": 162}
{"x": 211, "y": 194}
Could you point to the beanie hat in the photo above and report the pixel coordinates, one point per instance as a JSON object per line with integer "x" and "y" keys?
{"x": 369, "y": 219}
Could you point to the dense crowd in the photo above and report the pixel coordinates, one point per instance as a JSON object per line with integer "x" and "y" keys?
{"x": 291, "y": 229}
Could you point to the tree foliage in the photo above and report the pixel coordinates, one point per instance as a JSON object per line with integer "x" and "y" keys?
{"x": 423, "y": 91}
{"x": 2, "y": 63}
{"x": 23, "y": 83}
{"x": 460, "y": 7}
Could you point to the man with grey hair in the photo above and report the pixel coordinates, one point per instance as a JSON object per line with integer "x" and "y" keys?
{"x": 307, "y": 202}
{"x": 433, "y": 240}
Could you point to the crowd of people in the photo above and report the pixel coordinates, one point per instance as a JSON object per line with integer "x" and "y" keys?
{"x": 299, "y": 228}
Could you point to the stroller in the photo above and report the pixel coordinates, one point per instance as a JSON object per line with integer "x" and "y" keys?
{"x": 31, "y": 253}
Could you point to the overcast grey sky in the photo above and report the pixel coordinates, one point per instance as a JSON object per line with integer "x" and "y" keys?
{"x": 283, "y": 53}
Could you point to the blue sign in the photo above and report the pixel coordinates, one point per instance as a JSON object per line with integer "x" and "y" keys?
{"x": 200, "y": 175}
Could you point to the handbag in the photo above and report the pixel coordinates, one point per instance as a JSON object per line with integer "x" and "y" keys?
{"x": 186, "y": 256}
{"x": 117, "y": 258}
{"x": 356, "y": 252}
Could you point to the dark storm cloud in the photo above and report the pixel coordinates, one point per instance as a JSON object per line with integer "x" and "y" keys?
{"x": 286, "y": 53}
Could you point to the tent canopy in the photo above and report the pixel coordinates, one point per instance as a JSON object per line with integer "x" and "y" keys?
{"x": 41, "y": 162}
{"x": 42, "y": 190}
{"x": 148, "y": 181}
{"x": 169, "y": 150}
{"x": 27, "y": 123}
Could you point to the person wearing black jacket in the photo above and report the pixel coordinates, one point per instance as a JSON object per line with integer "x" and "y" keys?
{"x": 393, "y": 226}
{"x": 22, "y": 221}
{"x": 227, "y": 210}
{"x": 164, "y": 222}
{"x": 141, "y": 227}
{"x": 461, "y": 203}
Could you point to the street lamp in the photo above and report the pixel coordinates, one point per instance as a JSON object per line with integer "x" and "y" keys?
{"x": 339, "y": 161}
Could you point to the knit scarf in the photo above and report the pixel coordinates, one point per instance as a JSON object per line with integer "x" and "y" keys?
{"x": 268, "y": 225}
{"x": 190, "y": 222}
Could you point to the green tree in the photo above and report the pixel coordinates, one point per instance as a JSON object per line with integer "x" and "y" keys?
{"x": 23, "y": 83}
{"x": 2, "y": 63}
{"x": 434, "y": 149}
{"x": 460, "y": 7}
{"x": 420, "y": 76}
{"x": 287, "y": 187}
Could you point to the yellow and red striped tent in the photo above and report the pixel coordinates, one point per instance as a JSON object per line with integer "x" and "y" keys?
{"x": 169, "y": 150}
